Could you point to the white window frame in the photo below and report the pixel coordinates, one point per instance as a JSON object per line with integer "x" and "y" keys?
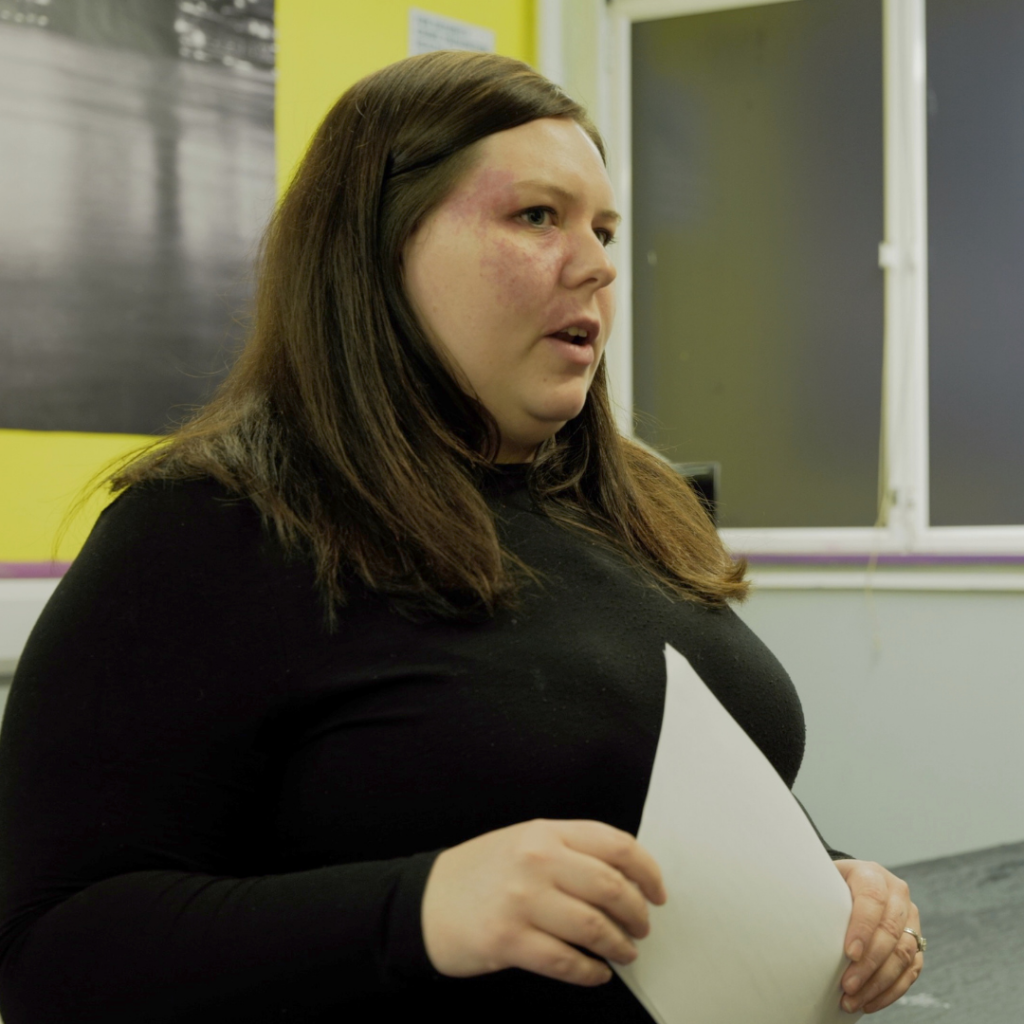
{"x": 903, "y": 256}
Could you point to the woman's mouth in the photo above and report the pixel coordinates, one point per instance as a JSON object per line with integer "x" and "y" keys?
{"x": 573, "y": 347}
{"x": 573, "y": 335}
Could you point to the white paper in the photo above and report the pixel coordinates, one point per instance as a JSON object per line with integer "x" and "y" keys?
{"x": 753, "y": 929}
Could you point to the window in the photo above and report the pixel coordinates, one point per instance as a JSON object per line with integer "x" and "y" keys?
{"x": 757, "y": 295}
{"x": 976, "y": 261}
{"x": 822, "y": 290}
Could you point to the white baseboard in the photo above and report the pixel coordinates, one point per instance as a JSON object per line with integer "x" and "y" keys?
{"x": 21, "y": 601}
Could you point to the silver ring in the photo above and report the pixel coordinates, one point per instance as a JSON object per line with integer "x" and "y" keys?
{"x": 922, "y": 943}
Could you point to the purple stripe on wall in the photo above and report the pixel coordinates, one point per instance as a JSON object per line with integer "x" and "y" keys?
{"x": 32, "y": 570}
{"x": 54, "y": 570}
{"x": 864, "y": 560}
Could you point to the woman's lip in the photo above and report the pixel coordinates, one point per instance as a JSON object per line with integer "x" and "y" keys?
{"x": 592, "y": 327}
{"x": 581, "y": 355}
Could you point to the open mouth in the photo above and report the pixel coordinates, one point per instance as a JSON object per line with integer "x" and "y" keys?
{"x": 572, "y": 337}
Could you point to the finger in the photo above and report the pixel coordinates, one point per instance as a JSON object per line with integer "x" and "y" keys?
{"x": 903, "y": 964}
{"x": 600, "y": 885}
{"x": 887, "y": 935}
{"x": 880, "y": 948}
{"x": 870, "y": 891}
{"x": 897, "y": 990}
{"x": 621, "y": 850}
{"x": 542, "y": 953}
{"x": 581, "y": 924}
{"x": 899, "y": 964}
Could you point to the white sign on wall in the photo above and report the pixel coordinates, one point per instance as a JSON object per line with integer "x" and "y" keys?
{"x": 429, "y": 31}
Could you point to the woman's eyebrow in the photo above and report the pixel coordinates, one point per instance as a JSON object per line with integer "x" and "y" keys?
{"x": 566, "y": 196}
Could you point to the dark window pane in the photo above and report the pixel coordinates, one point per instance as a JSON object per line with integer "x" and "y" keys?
{"x": 758, "y": 301}
{"x": 976, "y": 261}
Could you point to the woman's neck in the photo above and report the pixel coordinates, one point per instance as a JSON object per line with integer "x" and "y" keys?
{"x": 509, "y": 452}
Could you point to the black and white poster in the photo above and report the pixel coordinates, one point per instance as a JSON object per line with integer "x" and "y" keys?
{"x": 136, "y": 176}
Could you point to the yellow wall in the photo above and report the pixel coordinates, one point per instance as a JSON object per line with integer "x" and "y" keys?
{"x": 324, "y": 46}
{"x": 42, "y": 473}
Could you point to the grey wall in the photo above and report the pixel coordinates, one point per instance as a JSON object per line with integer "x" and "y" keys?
{"x": 915, "y": 715}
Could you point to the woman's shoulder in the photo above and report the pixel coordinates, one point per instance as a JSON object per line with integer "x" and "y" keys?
{"x": 170, "y": 525}
{"x": 193, "y": 508}
{"x": 188, "y": 551}
{"x": 198, "y": 494}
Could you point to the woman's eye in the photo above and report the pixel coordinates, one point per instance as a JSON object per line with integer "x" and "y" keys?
{"x": 537, "y": 215}
{"x": 607, "y": 237}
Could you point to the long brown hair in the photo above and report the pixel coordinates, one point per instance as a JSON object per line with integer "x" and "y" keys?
{"x": 343, "y": 424}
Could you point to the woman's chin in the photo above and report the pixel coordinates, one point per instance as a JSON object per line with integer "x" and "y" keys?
{"x": 553, "y": 415}
{"x": 540, "y": 422}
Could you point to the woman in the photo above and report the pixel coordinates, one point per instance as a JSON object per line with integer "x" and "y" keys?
{"x": 351, "y": 699}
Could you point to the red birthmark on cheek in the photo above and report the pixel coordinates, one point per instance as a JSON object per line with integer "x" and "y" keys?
{"x": 476, "y": 203}
{"x": 522, "y": 271}
{"x": 519, "y": 264}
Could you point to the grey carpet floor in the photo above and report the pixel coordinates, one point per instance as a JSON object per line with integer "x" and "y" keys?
{"x": 972, "y": 914}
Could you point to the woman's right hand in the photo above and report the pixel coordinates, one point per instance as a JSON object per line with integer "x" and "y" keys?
{"x": 522, "y": 896}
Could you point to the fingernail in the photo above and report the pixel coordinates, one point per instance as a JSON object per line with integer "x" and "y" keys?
{"x": 856, "y": 950}
{"x": 851, "y": 985}
{"x": 850, "y": 1005}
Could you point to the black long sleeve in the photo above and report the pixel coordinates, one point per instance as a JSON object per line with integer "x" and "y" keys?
{"x": 213, "y": 809}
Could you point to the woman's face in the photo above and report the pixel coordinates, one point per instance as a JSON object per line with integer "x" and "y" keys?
{"x": 513, "y": 259}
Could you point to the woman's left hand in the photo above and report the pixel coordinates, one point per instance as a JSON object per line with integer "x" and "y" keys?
{"x": 886, "y": 961}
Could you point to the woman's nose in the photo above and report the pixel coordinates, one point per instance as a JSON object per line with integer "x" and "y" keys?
{"x": 588, "y": 261}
